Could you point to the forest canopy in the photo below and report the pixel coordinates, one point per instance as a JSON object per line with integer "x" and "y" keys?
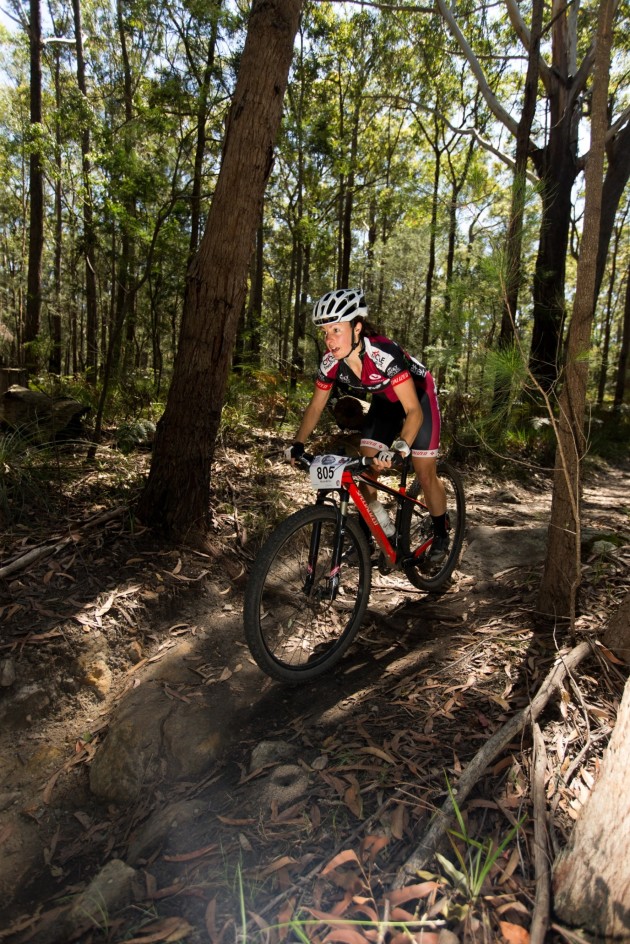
{"x": 397, "y": 169}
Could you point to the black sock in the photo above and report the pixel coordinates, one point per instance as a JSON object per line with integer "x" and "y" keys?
{"x": 439, "y": 525}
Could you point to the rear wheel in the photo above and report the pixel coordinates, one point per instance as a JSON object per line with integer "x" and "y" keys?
{"x": 295, "y": 625}
{"x": 417, "y": 530}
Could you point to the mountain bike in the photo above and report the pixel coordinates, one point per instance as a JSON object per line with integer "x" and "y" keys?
{"x": 310, "y": 583}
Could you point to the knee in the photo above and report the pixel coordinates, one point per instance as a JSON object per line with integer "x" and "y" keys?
{"x": 427, "y": 474}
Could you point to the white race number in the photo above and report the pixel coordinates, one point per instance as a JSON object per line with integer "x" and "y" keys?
{"x": 327, "y": 471}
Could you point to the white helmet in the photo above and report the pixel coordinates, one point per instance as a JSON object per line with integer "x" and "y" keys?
{"x": 345, "y": 304}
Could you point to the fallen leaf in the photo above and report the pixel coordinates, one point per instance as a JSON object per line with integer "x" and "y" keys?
{"x": 195, "y": 854}
{"x": 101, "y": 611}
{"x": 397, "y": 822}
{"x": 514, "y": 933}
{"x": 342, "y": 858}
{"x": 170, "y": 929}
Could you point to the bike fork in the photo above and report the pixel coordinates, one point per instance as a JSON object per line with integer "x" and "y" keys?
{"x": 313, "y": 554}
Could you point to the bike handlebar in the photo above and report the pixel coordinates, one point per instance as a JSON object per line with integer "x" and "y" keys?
{"x": 359, "y": 462}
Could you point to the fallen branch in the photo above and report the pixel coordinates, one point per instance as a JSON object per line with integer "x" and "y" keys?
{"x": 542, "y": 903}
{"x": 426, "y": 849}
{"x": 47, "y": 550}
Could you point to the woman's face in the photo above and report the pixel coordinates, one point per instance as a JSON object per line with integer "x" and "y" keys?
{"x": 340, "y": 338}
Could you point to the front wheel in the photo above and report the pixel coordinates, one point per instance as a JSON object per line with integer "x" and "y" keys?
{"x": 300, "y": 617}
{"x": 417, "y": 530}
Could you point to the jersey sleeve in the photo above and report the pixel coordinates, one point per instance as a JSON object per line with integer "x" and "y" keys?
{"x": 327, "y": 372}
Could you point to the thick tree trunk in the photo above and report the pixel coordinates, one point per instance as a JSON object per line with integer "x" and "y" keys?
{"x": 558, "y": 173}
{"x": 592, "y": 875}
{"x": 177, "y": 492}
{"x": 562, "y": 571}
{"x": 557, "y": 168}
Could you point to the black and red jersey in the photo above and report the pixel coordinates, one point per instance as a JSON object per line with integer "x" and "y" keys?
{"x": 384, "y": 364}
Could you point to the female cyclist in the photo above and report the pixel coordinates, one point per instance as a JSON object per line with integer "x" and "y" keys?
{"x": 404, "y": 415}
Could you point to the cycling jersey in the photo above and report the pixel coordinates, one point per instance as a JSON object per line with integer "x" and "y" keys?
{"x": 384, "y": 365}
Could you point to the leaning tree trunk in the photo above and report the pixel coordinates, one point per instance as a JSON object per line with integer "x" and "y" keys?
{"x": 592, "y": 875}
{"x": 177, "y": 493}
{"x": 561, "y": 576}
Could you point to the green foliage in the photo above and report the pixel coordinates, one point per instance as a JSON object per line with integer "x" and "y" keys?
{"x": 476, "y": 859}
{"x": 137, "y": 434}
{"x": 257, "y": 398}
{"x": 19, "y": 483}
{"x": 609, "y": 434}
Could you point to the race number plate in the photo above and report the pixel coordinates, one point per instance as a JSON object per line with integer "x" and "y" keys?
{"x": 327, "y": 471}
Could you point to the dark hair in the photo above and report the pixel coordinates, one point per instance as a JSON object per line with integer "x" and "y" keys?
{"x": 368, "y": 330}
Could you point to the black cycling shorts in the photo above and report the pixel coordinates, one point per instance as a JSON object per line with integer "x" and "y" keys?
{"x": 385, "y": 419}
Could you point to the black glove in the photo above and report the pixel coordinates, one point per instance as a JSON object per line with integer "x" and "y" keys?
{"x": 294, "y": 451}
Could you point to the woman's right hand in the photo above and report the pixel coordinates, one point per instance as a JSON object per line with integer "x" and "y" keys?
{"x": 293, "y": 452}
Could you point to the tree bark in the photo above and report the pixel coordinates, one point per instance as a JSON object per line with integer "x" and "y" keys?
{"x": 592, "y": 875}
{"x": 514, "y": 236}
{"x": 89, "y": 230}
{"x": 177, "y": 493}
{"x": 36, "y": 187}
{"x": 622, "y": 367}
{"x": 562, "y": 570}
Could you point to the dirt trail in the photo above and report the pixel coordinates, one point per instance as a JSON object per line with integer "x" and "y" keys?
{"x": 129, "y": 703}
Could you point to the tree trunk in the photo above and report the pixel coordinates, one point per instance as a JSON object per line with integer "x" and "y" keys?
{"x": 36, "y": 228}
{"x": 428, "y": 294}
{"x": 592, "y": 875}
{"x": 125, "y": 319}
{"x": 562, "y": 570}
{"x": 622, "y": 366}
{"x": 514, "y": 236}
{"x": 177, "y": 492}
{"x": 200, "y": 146}
{"x": 54, "y": 357}
{"x": 608, "y": 319}
{"x": 617, "y": 175}
{"x": 89, "y": 231}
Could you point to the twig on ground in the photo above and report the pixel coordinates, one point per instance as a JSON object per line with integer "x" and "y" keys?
{"x": 46, "y": 550}
{"x": 542, "y": 902}
{"x": 428, "y": 845}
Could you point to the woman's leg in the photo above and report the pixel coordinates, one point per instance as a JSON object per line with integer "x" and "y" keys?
{"x": 434, "y": 492}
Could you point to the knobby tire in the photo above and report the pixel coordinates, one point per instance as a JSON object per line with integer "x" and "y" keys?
{"x": 296, "y": 635}
{"x": 416, "y": 527}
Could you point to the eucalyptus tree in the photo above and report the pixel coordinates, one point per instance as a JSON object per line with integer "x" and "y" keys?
{"x": 562, "y": 571}
{"x": 89, "y": 228}
{"x": 177, "y": 492}
{"x": 36, "y": 194}
{"x": 14, "y": 124}
{"x": 624, "y": 348}
{"x": 611, "y": 302}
